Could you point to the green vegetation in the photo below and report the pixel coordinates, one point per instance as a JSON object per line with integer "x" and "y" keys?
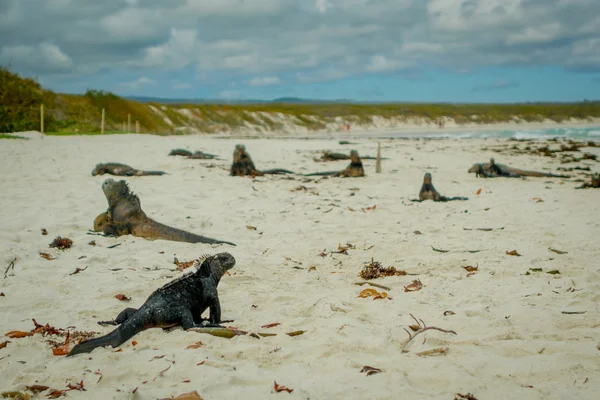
{"x": 2, "y": 136}
{"x": 20, "y": 100}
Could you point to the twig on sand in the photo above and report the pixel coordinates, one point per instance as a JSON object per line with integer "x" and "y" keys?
{"x": 11, "y": 265}
{"x": 422, "y": 328}
{"x": 373, "y": 284}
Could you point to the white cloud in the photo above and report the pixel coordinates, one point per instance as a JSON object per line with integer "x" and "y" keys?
{"x": 47, "y": 54}
{"x": 177, "y": 52}
{"x": 314, "y": 40}
{"x": 138, "y": 83}
{"x": 264, "y": 81}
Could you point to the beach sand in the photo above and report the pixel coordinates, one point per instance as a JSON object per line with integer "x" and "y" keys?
{"x": 513, "y": 338}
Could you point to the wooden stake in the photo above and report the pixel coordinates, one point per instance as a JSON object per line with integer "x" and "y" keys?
{"x": 128, "y": 123}
{"x": 137, "y": 127}
{"x": 102, "y": 125}
{"x": 378, "y": 160}
{"x": 42, "y": 119}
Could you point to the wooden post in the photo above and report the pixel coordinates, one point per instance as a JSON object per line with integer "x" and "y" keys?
{"x": 128, "y": 123}
{"x": 42, "y": 119}
{"x": 102, "y": 124}
{"x": 378, "y": 160}
{"x": 137, "y": 127}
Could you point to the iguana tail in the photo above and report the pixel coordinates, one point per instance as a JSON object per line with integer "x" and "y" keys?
{"x": 276, "y": 171}
{"x": 124, "y": 332}
{"x": 144, "y": 173}
{"x": 162, "y": 231}
{"x": 444, "y": 198}
{"x": 327, "y": 173}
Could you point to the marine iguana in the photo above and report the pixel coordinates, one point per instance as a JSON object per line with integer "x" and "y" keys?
{"x": 594, "y": 183}
{"x": 354, "y": 170}
{"x": 121, "y": 170}
{"x": 180, "y": 302}
{"x": 428, "y": 192}
{"x": 243, "y": 166}
{"x": 125, "y": 216}
{"x": 197, "y": 155}
{"x": 331, "y": 156}
{"x": 493, "y": 170}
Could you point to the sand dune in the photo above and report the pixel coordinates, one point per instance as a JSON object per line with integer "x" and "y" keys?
{"x": 513, "y": 339}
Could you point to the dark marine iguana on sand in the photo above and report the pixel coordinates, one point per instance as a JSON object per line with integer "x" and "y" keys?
{"x": 197, "y": 155}
{"x": 331, "y": 156}
{"x": 180, "y": 302}
{"x": 428, "y": 192}
{"x": 493, "y": 170}
{"x": 354, "y": 170}
{"x": 594, "y": 183}
{"x": 121, "y": 170}
{"x": 125, "y": 216}
{"x": 243, "y": 166}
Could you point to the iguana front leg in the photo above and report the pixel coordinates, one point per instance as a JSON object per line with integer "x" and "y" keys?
{"x": 187, "y": 321}
{"x": 118, "y": 229}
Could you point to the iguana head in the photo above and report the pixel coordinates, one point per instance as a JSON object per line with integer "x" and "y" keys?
{"x": 354, "y": 156}
{"x": 100, "y": 169}
{"x": 217, "y": 265}
{"x": 477, "y": 168}
{"x": 113, "y": 189}
{"x": 427, "y": 178}
{"x": 492, "y": 161}
{"x": 239, "y": 152}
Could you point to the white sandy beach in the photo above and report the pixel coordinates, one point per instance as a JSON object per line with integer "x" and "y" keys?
{"x": 513, "y": 340}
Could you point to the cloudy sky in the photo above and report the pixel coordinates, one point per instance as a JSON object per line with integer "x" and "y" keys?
{"x": 371, "y": 50}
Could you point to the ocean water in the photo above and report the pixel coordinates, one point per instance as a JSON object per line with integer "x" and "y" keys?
{"x": 587, "y": 133}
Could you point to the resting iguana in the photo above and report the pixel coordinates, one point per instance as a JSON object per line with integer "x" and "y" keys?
{"x": 121, "y": 170}
{"x": 331, "y": 156}
{"x": 594, "y": 183}
{"x": 243, "y": 166}
{"x": 493, "y": 170}
{"x": 180, "y": 302}
{"x": 197, "y": 155}
{"x": 428, "y": 191}
{"x": 355, "y": 169}
{"x": 125, "y": 216}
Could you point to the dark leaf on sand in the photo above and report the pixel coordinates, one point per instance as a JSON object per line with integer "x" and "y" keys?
{"x": 4, "y": 344}
{"x": 374, "y": 270}
{"x": 414, "y": 286}
{"x": 449, "y": 313}
{"x": 440, "y": 250}
{"x": 61, "y": 243}
{"x": 122, "y": 297}
{"x": 78, "y": 270}
{"x": 470, "y": 268}
{"x": 467, "y": 396}
{"x": 37, "y": 388}
{"x": 46, "y": 256}
{"x": 44, "y": 231}
{"x": 513, "y": 253}
{"x": 557, "y": 251}
{"x": 281, "y": 388}
{"x": 271, "y": 325}
{"x": 370, "y": 370}
{"x": 553, "y": 272}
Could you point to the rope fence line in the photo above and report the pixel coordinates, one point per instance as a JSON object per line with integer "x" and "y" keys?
{"x": 23, "y": 118}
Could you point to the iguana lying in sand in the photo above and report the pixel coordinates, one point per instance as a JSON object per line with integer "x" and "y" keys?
{"x": 354, "y": 170}
{"x": 243, "y": 166}
{"x": 428, "y": 192}
{"x": 197, "y": 155}
{"x": 121, "y": 170}
{"x": 180, "y": 302}
{"x": 594, "y": 183}
{"x": 331, "y": 156}
{"x": 125, "y": 216}
{"x": 493, "y": 170}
